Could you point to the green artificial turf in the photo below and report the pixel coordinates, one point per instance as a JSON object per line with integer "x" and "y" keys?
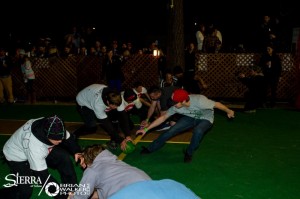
{"x": 254, "y": 156}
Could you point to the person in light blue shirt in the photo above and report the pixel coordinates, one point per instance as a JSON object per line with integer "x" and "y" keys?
{"x": 155, "y": 189}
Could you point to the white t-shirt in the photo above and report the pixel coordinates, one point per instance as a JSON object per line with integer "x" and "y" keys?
{"x": 24, "y": 146}
{"x": 91, "y": 97}
{"x": 128, "y": 106}
{"x": 139, "y": 94}
{"x": 200, "y": 40}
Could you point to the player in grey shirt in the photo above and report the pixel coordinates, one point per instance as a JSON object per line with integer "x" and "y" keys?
{"x": 105, "y": 174}
{"x": 197, "y": 112}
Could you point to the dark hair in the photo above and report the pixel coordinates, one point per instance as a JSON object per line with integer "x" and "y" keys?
{"x": 137, "y": 84}
{"x": 255, "y": 68}
{"x": 113, "y": 97}
{"x": 177, "y": 70}
{"x": 129, "y": 95}
{"x": 154, "y": 89}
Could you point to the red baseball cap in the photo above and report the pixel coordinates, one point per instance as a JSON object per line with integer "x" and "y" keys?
{"x": 180, "y": 95}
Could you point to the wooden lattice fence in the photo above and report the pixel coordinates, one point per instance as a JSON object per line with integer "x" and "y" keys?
{"x": 219, "y": 72}
{"x": 59, "y": 77}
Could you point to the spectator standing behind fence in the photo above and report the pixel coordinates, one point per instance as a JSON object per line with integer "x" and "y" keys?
{"x": 200, "y": 34}
{"x": 168, "y": 80}
{"x": 112, "y": 70}
{"x": 28, "y": 76}
{"x": 268, "y": 33}
{"x": 255, "y": 83}
{"x": 198, "y": 85}
{"x": 270, "y": 64}
{"x": 6, "y": 84}
{"x": 74, "y": 40}
{"x": 162, "y": 65}
{"x": 217, "y": 32}
{"x": 179, "y": 77}
{"x": 212, "y": 43}
{"x": 190, "y": 61}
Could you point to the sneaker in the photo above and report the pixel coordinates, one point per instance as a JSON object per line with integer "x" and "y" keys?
{"x": 187, "y": 157}
{"x": 164, "y": 126}
{"x": 112, "y": 145}
{"x": 145, "y": 150}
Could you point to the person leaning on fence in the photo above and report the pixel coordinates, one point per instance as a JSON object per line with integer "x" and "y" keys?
{"x": 271, "y": 66}
{"x": 28, "y": 76}
{"x": 40, "y": 144}
{"x": 256, "y": 93}
{"x": 96, "y": 103}
{"x": 197, "y": 112}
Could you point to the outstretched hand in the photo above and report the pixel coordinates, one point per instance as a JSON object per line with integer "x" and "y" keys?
{"x": 230, "y": 114}
{"x": 124, "y": 142}
{"x": 144, "y": 123}
{"x": 140, "y": 132}
{"x": 79, "y": 157}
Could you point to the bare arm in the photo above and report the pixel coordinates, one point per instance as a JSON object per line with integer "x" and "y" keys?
{"x": 148, "y": 97}
{"x": 150, "y": 113}
{"x": 145, "y": 102}
{"x": 222, "y": 107}
{"x": 202, "y": 83}
{"x": 155, "y": 123}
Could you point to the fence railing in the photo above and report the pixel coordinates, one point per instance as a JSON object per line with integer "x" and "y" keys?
{"x": 58, "y": 77}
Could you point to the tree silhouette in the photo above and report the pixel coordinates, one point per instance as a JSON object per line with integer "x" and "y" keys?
{"x": 175, "y": 34}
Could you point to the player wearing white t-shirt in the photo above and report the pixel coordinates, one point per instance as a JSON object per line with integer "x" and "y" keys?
{"x": 96, "y": 103}
{"x": 134, "y": 105}
{"x": 142, "y": 93}
{"x": 36, "y": 146}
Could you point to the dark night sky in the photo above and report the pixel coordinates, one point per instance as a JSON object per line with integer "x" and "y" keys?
{"x": 140, "y": 21}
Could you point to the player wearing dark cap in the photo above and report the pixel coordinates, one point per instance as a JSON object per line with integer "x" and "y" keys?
{"x": 40, "y": 144}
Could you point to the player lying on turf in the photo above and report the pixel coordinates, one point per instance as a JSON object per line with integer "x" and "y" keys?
{"x": 115, "y": 179}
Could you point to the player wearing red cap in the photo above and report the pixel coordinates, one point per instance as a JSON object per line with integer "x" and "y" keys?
{"x": 197, "y": 112}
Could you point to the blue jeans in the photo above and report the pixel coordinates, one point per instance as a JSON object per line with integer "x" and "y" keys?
{"x": 183, "y": 124}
